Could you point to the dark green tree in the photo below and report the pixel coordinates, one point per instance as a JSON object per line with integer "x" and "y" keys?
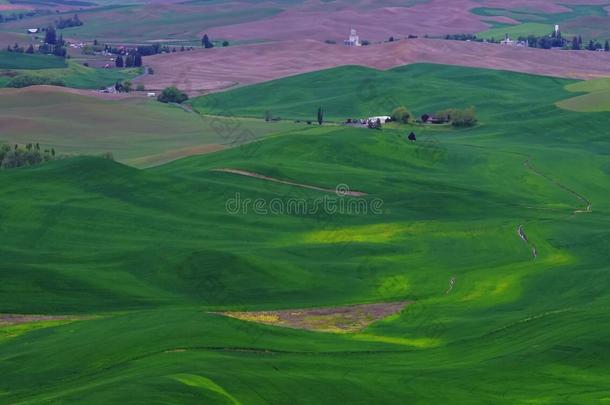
{"x": 119, "y": 61}
{"x": 607, "y": 46}
{"x": 129, "y": 61}
{"x": 206, "y": 43}
{"x": 172, "y": 95}
{"x": 320, "y": 116}
{"x": 50, "y": 36}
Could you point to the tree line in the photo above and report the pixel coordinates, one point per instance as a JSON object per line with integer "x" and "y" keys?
{"x": 27, "y": 155}
{"x": 53, "y": 44}
{"x": 456, "y": 117}
{"x": 553, "y": 40}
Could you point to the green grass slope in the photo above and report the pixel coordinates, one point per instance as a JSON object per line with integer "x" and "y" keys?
{"x": 357, "y": 92}
{"x": 13, "y": 60}
{"x": 75, "y": 75}
{"x": 151, "y": 252}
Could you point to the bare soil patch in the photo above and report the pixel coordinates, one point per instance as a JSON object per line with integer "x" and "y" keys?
{"x": 347, "y": 319}
{"x": 222, "y": 68}
{"x": 15, "y": 319}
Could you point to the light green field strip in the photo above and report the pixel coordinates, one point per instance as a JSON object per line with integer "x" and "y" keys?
{"x": 597, "y": 99}
{"x": 205, "y": 384}
{"x": 520, "y": 30}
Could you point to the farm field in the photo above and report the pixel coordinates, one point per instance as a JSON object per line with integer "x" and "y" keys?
{"x": 53, "y": 69}
{"x": 493, "y": 239}
{"x": 185, "y": 22}
{"x": 588, "y": 20}
{"x": 597, "y": 98}
{"x": 136, "y": 131}
{"x": 12, "y": 60}
{"x": 222, "y": 68}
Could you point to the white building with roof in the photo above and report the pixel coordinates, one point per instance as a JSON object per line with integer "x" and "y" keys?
{"x": 354, "y": 39}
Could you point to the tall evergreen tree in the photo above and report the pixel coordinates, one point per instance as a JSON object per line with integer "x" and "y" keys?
{"x": 206, "y": 43}
{"x": 119, "y": 61}
{"x": 320, "y": 116}
{"x": 50, "y": 37}
{"x": 607, "y": 46}
{"x": 137, "y": 60}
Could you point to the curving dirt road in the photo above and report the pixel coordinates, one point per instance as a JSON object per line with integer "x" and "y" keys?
{"x": 290, "y": 183}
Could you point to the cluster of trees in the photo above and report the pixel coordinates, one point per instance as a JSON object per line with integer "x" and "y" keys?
{"x": 554, "y": 40}
{"x": 31, "y": 80}
{"x": 463, "y": 37}
{"x": 401, "y": 114}
{"x": 20, "y": 49}
{"x": 123, "y": 87}
{"x": 172, "y": 95}
{"x": 53, "y": 44}
{"x": 129, "y": 61}
{"x": 15, "y": 16}
{"x": 457, "y": 117}
{"x": 27, "y": 155}
{"x": 68, "y": 22}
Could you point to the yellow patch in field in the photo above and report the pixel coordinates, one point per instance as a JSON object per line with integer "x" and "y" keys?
{"x": 265, "y": 318}
{"x": 505, "y": 283}
{"x": 421, "y": 343}
{"x": 377, "y": 233}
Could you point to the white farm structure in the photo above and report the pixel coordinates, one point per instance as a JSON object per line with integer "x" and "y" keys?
{"x": 354, "y": 39}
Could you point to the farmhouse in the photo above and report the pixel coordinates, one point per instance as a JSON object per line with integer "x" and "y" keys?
{"x": 354, "y": 39}
{"x": 510, "y": 42}
{"x": 381, "y": 118}
{"x": 32, "y": 30}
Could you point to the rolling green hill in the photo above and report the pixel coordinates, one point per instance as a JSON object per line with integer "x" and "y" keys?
{"x": 148, "y": 256}
{"x": 72, "y": 75}
{"x": 356, "y": 92}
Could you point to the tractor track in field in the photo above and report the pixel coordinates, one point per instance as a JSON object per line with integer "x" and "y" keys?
{"x": 588, "y": 207}
{"x": 259, "y": 176}
{"x": 524, "y": 238}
